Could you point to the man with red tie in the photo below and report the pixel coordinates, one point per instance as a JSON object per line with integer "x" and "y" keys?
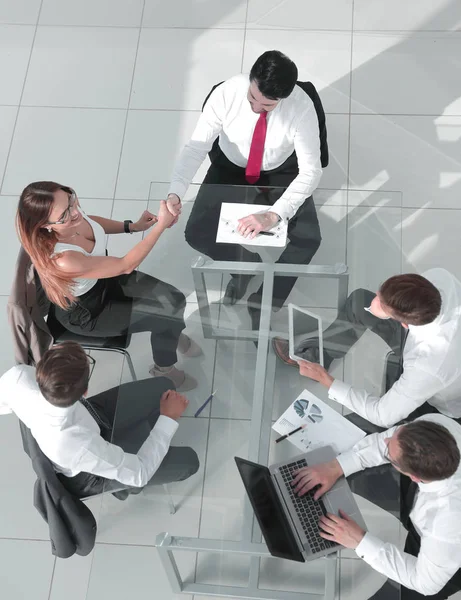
{"x": 262, "y": 132}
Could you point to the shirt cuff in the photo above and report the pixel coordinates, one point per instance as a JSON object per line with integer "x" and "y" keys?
{"x": 282, "y": 209}
{"x": 177, "y": 188}
{"x": 349, "y": 462}
{"x": 369, "y": 547}
{"x": 338, "y": 391}
{"x": 167, "y": 425}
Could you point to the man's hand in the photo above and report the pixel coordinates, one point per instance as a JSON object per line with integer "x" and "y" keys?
{"x": 145, "y": 221}
{"x": 173, "y": 404}
{"x": 250, "y": 226}
{"x": 341, "y": 529}
{"x": 324, "y": 475}
{"x": 165, "y": 219}
{"x": 174, "y": 205}
{"x": 315, "y": 372}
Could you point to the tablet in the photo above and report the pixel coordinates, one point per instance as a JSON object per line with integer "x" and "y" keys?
{"x": 302, "y": 324}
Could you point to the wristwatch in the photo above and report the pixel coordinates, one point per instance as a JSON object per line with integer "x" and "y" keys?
{"x": 126, "y": 226}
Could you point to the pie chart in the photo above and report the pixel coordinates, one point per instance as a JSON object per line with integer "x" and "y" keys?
{"x": 309, "y": 410}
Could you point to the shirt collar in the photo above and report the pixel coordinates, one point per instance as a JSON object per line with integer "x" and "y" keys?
{"x": 436, "y": 486}
{"x": 56, "y": 411}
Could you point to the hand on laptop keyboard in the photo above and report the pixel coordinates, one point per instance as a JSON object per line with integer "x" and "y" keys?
{"x": 341, "y": 529}
{"x": 321, "y": 477}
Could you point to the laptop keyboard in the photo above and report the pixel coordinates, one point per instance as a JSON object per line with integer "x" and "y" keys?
{"x": 308, "y": 510}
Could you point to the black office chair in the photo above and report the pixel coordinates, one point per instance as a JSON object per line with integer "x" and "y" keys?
{"x": 118, "y": 343}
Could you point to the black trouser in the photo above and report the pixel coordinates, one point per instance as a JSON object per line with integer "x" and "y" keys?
{"x": 202, "y": 226}
{"x": 133, "y": 409}
{"x": 390, "y": 589}
{"x": 130, "y": 303}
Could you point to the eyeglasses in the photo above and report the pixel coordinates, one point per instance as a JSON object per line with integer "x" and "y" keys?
{"x": 66, "y": 214}
{"x": 394, "y": 463}
{"x": 92, "y": 362}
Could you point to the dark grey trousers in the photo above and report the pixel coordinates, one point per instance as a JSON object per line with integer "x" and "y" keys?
{"x": 131, "y": 412}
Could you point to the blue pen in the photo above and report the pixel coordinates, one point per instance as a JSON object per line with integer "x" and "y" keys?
{"x": 205, "y": 404}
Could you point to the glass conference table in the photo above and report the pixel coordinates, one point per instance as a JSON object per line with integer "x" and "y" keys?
{"x": 212, "y": 545}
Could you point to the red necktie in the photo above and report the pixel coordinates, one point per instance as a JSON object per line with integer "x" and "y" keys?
{"x": 255, "y": 158}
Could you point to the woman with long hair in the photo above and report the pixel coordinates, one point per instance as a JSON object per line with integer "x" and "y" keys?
{"x": 95, "y": 294}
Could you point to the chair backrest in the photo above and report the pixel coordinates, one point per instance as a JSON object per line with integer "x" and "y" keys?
{"x": 27, "y": 308}
{"x": 309, "y": 88}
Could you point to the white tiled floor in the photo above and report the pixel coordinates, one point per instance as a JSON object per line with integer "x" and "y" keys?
{"x": 102, "y": 95}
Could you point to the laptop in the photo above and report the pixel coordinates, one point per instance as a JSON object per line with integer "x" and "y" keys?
{"x": 288, "y": 522}
{"x": 303, "y": 323}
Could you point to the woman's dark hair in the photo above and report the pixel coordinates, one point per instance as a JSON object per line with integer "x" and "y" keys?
{"x": 63, "y": 373}
{"x": 427, "y": 451}
{"x": 275, "y": 75}
{"x": 34, "y": 208}
{"x": 411, "y": 298}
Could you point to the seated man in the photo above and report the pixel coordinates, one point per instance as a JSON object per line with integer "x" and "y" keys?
{"x": 425, "y": 308}
{"x": 268, "y": 132}
{"x": 427, "y": 453}
{"x": 74, "y": 433}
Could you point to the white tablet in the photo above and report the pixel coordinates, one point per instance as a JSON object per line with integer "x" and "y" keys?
{"x": 300, "y": 328}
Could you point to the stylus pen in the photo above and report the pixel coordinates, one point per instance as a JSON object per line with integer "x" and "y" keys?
{"x": 266, "y": 233}
{"x": 209, "y": 399}
{"x": 284, "y": 437}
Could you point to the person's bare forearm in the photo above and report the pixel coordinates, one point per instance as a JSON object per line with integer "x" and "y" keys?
{"x": 136, "y": 255}
{"x": 110, "y": 226}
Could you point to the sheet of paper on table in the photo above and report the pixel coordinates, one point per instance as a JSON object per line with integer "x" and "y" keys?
{"x": 324, "y": 426}
{"x": 231, "y": 212}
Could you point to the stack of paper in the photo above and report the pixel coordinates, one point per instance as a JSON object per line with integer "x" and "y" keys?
{"x": 324, "y": 426}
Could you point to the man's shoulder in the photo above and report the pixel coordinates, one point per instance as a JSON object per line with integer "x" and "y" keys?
{"x": 19, "y": 374}
{"x": 236, "y": 85}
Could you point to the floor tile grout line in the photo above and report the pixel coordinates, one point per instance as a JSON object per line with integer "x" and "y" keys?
{"x": 198, "y": 111}
{"x": 422, "y": 32}
{"x": 244, "y": 36}
{"x": 349, "y": 134}
{"x": 52, "y": 578}
{"x": 129, "y": 101}
{"x": 20, "y": 99}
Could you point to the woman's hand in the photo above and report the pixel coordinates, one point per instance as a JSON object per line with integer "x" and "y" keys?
{"x": 165, "y": 219}
{"x": 145, "y": 221}
{"x": 174, "y": 205}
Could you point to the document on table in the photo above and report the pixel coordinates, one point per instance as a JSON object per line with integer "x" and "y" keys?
{"x": 231, "y": 212}
{"x": 324, "y": 426}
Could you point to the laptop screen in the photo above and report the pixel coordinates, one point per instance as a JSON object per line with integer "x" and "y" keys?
{"x": 272, "y": 519}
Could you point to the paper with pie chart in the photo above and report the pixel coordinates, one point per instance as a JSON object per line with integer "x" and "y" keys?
{"x": 324, "y": 426}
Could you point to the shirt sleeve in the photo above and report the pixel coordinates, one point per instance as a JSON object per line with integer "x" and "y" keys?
{"x": 437, "y": 561}
{"x": 194, "y": 152}
{"x": 307, "y": 148}
{"x": 8, "y": 383}
{"x": 368, "y": 452}
{"x": 412, "y": 389}
{"x": 108, "y": 460}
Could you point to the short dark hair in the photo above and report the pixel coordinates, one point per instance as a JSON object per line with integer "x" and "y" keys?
{"x": 411, "y": 298}
{"x": 275, "y": 75}
{"x": 427, "y": 451}
{"x": 63, "y": 374}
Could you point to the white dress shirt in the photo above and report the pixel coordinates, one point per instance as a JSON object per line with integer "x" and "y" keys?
{"x": 436, "y": 516}
{"x": 70, "y": 437}
{"x": 431, "y": 366}
{"x": 291, "y": 126}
